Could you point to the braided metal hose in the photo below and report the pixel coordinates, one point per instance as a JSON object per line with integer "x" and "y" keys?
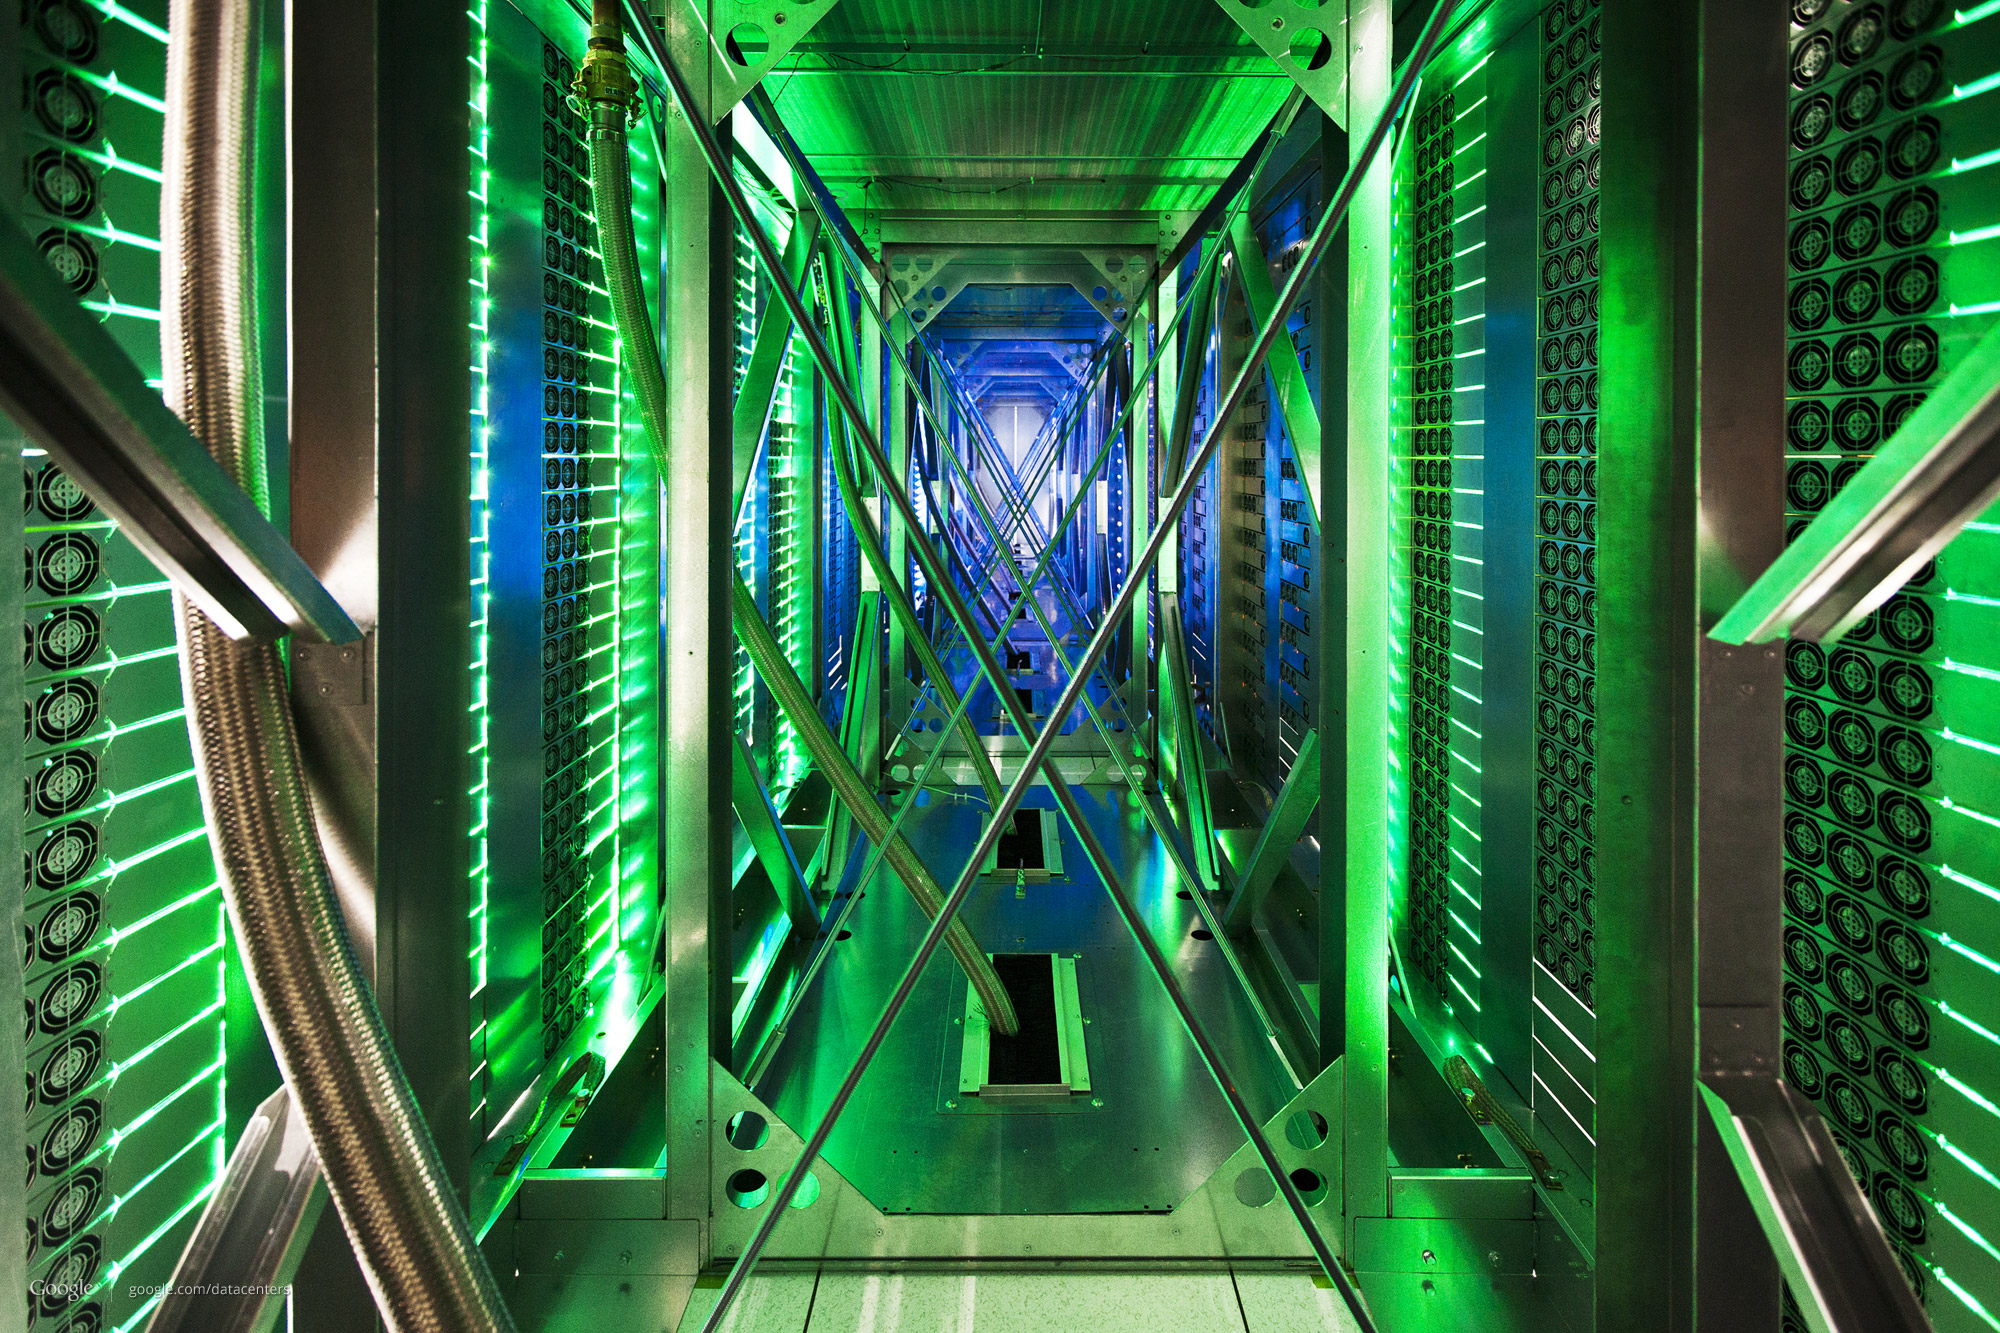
{"x": 606, "y": 87}
{"x": 870, "y": 541}
{"x": 382, "y": 1169}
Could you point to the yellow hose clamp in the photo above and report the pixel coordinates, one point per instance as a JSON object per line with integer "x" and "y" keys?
{"x": 605, "y": 79}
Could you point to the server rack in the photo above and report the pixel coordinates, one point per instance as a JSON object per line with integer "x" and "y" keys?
{"x": 1892, "y": 276}
{"x": 126, "y": 950}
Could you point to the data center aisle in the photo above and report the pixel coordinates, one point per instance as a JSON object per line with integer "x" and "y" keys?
{"x": 1152, "y": 1126}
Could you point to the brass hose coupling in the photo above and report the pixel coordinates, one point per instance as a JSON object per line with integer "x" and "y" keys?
{"x": 605, "y": 79}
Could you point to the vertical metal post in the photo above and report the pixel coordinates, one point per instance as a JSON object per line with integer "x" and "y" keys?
{"x": 376, "y": 215}
{"x": 1146, "y": 483}
{"x": 1330, "y": 302}
{"x": 1739, "y": 211}
{"x": 697, "y": 559}
{"x": 1507, "y": 580}
{"x": 1646, "y": 674}
{"x": 1138, "y": 519}
{"x": 897, "y": 691}
{"x": 1354, "y": 878}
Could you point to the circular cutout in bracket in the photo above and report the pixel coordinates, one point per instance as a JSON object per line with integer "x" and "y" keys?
{"x": 747, "y": 44}
{"x": 1255, "y": 1188}
{"x": 747, "y": 1188}
{"x": 1310, "y": 49}
{"x": 747, "y": 1131}
{"x": 1306, "y": 1130}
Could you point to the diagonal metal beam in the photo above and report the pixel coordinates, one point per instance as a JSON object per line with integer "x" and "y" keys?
{"x": 1193, "y": 871}
{"x": 1937, "y": 473}
{"x": 898, "y": 598}
{"x": 1178, "y": 848}
{"x": 858, "y": 719}
{"x": 813, "y": 965}
{"x": 1188, "y": 383}
{"x": 75, "y": 393}
{"x": 758, "y": 393}
{"x": 1827, "y": 1239}
{"x": 1294, "y": 398}
{"x": 1290, "y": 813}
{"x": 1043, "y": 742}
{"x": 767, "y": 837}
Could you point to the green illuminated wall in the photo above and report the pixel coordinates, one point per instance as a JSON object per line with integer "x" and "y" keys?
{"x": 126, "y": 936}
{"x": 1565, "y": 540}
{"x": 775, "y": 540}
{"x": 777, "y": 536}
{"x": 1892, "y": 774}
{"x": 1437, "y": 603}
{"x": 564, "y": 569}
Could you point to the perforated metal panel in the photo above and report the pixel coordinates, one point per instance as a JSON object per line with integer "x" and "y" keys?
{"x": 1566, "y": 545}
{"x": 1891, "y": 786}
{"x": 125, "y": 934}
{"x": 566, "y": 534}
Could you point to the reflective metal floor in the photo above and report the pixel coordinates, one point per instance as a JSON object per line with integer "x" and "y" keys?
{"x": 1153, "y": 1126}
{"x": 1028, "y": 1303}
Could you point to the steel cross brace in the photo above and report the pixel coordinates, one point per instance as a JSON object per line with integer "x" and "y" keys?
{"x": 1128, "y": 770}
{"x": 1172, "y": 839}
{"x": 892, "y": 588}
{"x": 758, "y": 393}
{"x": 767, "y": 836}
{"x": 1121, "y": 426}
{"x": 1160, "y": 821}
{"x": 1045, "y": 449}
{"x": 1237, "y": 219}
{"x": 832, "y": 928}
{"x": 1039, "y": 751}
{"x": 1294, "y": 398}
{"x": 1043, "y": 741}
{"x": 889, "y": 482}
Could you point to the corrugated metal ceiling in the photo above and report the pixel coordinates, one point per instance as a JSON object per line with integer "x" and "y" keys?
{"x": 923, "y": 107}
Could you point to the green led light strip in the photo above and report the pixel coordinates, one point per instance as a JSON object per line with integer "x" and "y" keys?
{"x": 480, "y": 555}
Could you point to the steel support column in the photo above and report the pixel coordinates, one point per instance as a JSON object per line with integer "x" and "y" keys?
{"x": 697, "y": 561}
{"x": 899, "y": 416}
{"x": 378, "y": 222}
{"x": 1646, "y": 672}
{"x": 1736, "y": 219}
{"x": 1138, "y": 515}
{"x": 1354, "y": 877}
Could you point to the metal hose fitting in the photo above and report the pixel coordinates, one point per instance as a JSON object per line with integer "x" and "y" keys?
{"x": 607, "y": 89}
{"x": 382, "y": 1169}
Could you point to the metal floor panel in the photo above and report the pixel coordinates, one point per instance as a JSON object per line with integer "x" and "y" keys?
{"x": 1153, "y": 1126}
{"x": 1003, "y": 1303}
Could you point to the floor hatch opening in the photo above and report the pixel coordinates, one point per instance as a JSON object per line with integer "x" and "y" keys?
{"x": 1046, "y": 1058}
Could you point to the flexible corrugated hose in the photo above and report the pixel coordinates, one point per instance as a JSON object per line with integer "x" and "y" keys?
{"x": 605, "y": 86}
{"x": 382, "y": 1168}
